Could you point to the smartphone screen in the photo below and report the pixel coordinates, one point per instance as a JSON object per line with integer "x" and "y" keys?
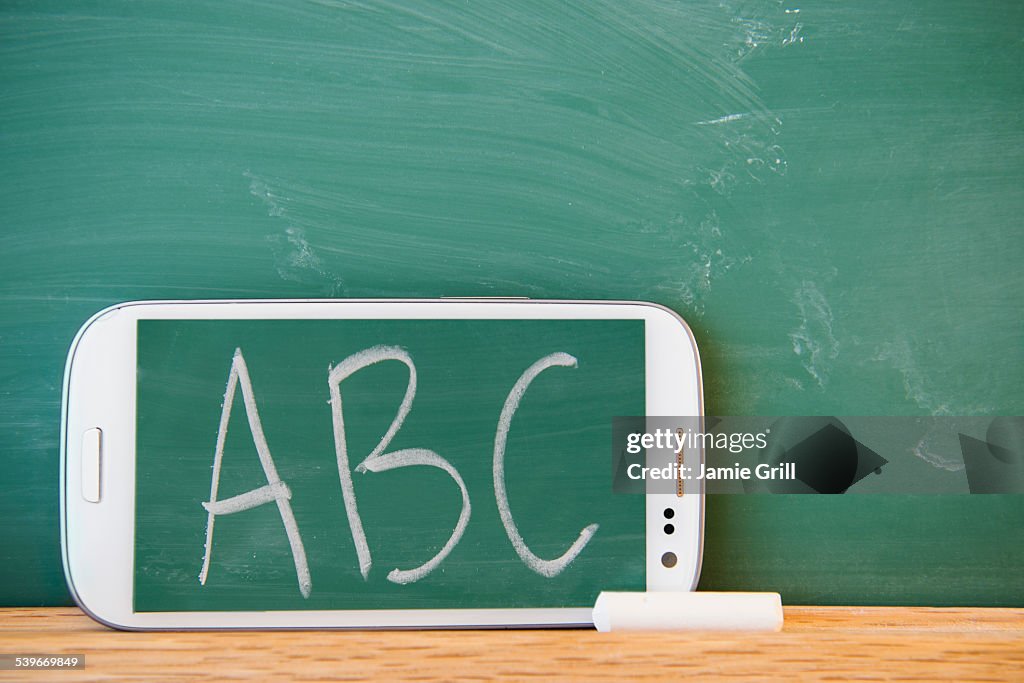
{"x": 252, "y": 493}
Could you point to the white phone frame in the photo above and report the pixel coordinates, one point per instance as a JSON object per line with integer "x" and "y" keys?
{"x": 97, "y": 539}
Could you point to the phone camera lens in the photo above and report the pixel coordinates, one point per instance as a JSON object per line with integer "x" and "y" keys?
{"x": 669, "y": 529}
{"x": 669, "y": 560}
{"x": 669, "y": 513}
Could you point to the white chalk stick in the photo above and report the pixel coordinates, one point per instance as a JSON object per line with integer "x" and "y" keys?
{"x": 688, "y": 611}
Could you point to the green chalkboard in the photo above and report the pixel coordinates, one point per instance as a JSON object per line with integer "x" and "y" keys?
{"x": 556, "y": 471}
{"x": 829, "y": 193}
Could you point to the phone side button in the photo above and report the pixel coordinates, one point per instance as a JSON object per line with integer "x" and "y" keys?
{"x": 92, "y": 445}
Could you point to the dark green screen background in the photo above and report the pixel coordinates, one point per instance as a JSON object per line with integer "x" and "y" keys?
{"x": 556, "y": 465}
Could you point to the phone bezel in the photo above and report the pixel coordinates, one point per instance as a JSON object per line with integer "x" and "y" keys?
{"x": 97, "y": 539}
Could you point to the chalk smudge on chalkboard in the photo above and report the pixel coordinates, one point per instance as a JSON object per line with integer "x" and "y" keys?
{"x": 297, "y": 261}
{"x": 929, "y": 448}
{"x": 722, "y": 119}
{"x": 814, "y": 340}
{"x": 917, "y": 388}
{"x": 709, "y": 262}
{"x": 794, "y": 35}
{"x": 758, "y": 31}
{"x": 675, "y": 149}
{"x": 937, "y": 447}
{"x": 758, "y": 26}
{"x": 294, "y": 257}
{"x": 746, "y": 133}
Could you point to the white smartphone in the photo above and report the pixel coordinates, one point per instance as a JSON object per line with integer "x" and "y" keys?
{"x": 368, "y": 463}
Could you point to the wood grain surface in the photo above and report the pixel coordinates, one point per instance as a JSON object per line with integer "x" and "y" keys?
{"x": 817, "y": 643}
